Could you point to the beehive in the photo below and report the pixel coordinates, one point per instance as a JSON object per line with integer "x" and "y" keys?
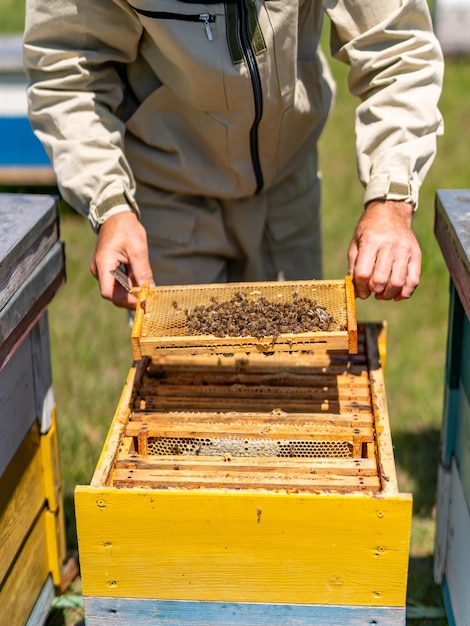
{"x": 32, "y": 529}
{"x": 452, "y": 543}
{"x": 248, "y": 489}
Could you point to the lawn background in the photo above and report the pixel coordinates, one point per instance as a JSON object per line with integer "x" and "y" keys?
{"x": 91, "y": 343}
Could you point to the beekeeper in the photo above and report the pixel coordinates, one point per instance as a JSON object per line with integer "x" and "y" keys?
{"x": 187, "y": 133}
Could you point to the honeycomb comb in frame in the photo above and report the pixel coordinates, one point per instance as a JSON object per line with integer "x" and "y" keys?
{"x": 164, "y": 319}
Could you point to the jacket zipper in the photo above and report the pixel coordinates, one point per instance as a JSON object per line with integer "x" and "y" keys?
{"x": 206, "y": 18}
{"x": 257, "y": 93}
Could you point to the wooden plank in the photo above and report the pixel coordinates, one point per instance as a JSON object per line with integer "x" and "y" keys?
{"x": 385, "y": 456}
{"x": 25, "y": 307}
{"x": 321, "y": 421}
{"x": 42, "y": 372}
{"x": 25, "y": 176}
{"x": 17, "y": 402}
{"x": 448, "y": 607}
{"x": 27, "y": 577}
{"x": 338, "y": 388}
{"x": 287, "y": 404}
{"x": 444, "y": 478}
{"x": 137, "y": 325}
{"x": 462, "y": 439}
{"x": 13, "y": 278}
{"x": 55, "y": 543}
{"x": 299, "y": 363}
{"x": 256, "y": 430}
{"x": 310, "y": 377}
{"x": 322, "y": 385}
{"x": 29, "y": 229}
{"x": 43, "y": 604}
{"x": 157, "y": 479}
{"x": 457, "y": 563}
{"x": 465, "y": 367}
{"x": 203, "y": 345}
{"x": 453, "y": 368}
{"x": 349, "y": 467}
{"x": 22, "y": 497}
{"x": 452, "y": 230}
{"x": 245, "y": 547}
{"x": 51, "y": 467}
{"x": 110, "y": 448}
{"x": 146, "y": 612}
{"x": 351, "y": 315}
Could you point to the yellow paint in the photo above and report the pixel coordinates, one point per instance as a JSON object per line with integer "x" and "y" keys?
{"x": 25, "y": 580}
{"x": 29, "y": 488}
{"x": 55, "y": 542}
{"x": 116, "y": 432}
{"x": 54, "y": 519}
{"x": 384, "y": 446}
{"x": 21, "y": 498}
{"x": 51, "y": 465}
{"x": 249, "y": 547}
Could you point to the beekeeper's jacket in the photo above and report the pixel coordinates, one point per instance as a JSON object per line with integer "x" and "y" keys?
{"x": 224, "y": 99}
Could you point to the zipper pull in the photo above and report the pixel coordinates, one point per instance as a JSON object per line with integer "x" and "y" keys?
{"x": 204, "y": 17}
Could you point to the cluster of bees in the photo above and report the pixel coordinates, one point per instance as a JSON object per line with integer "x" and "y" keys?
{"x": 242, "y": 316}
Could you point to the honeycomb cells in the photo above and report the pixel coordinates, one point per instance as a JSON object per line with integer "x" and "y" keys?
{"x": 237, "y": 447}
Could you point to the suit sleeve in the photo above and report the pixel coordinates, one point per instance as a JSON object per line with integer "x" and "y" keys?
{"x": 396, "y": 70}
{"x": 73, "y": 52}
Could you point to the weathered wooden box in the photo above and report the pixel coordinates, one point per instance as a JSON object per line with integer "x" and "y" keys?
{"x": 32, "y": 543}
{"x": 248, "y": 490}
{"x": 452, "y": 549}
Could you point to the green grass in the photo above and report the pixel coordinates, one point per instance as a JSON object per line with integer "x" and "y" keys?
{"x": 91, "y": 339}
{"x": 12, "y": 12}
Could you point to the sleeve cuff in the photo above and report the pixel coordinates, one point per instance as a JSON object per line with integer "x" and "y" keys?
{"x": 119, "y": 203}
{"x": 387, "y": 188}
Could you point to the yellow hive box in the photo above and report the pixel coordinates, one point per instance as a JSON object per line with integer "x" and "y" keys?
{"x": 32, "y": 539}
{"x": 256, "y": 481}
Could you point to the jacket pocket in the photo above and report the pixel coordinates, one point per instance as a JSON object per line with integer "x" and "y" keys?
{"x": 183, "y": 45}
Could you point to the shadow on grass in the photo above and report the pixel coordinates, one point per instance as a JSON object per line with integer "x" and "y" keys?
{"x": 423, "y": 593}
{"x": 70, "y": 522}
{"x": 417, "y": 455}
{"x": 59, "y": 618}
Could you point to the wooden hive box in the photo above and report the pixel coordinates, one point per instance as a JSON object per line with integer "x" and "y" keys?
{"x": 452, "y": 542}
{"x": 32, "y": 538}
{"x": 248, "y": 490}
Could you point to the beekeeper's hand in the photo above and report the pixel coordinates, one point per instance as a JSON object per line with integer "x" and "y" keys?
{"x": 384, "y": 255}
{"x": 122, "y": 240}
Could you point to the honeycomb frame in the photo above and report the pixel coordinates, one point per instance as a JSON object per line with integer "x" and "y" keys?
{"x": 160, "y": 323}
